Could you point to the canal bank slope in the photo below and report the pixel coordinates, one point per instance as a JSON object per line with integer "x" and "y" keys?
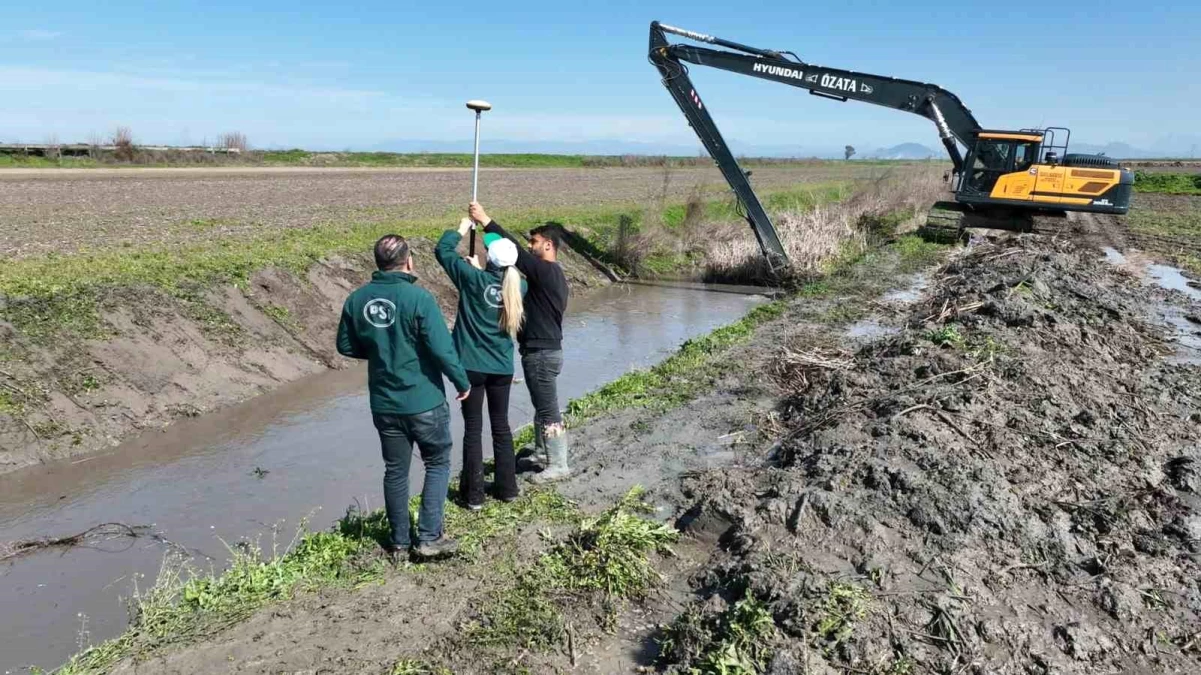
{"x": 996, "y": 473}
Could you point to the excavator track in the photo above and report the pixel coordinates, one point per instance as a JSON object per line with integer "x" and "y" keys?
{"x": 951, "y": 222}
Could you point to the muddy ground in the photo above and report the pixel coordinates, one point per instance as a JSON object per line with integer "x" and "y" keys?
{"x": 1003, "y": 476}
{"x": 167, "y": 356}
{"x": 1008, "y": 485}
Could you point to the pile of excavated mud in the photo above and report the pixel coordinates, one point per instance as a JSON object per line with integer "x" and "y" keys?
{"x": 1011, "y": 484}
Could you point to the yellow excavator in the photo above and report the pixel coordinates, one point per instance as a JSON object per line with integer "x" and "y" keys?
{"x": 1004, "y": 180}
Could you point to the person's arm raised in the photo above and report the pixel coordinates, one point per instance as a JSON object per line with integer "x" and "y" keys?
{"x": 527, "y": 264}
{"x": 448, "y": 257}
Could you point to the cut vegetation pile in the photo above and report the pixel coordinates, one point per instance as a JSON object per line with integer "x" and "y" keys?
{"x": 814, "y": 237}
{"x": 1010, "y": 485}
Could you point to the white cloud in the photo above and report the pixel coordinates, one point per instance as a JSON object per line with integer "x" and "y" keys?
{"x": 39, "y": 35}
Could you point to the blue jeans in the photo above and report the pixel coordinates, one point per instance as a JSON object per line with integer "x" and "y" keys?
{"x": 430, "y": 430}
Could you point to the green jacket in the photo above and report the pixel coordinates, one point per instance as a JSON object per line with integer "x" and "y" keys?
{"x": 482, "y": 345}
{"x": 397, "y": 327}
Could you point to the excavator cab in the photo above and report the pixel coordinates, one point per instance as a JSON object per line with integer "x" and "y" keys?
{"x": 995, "y": 155}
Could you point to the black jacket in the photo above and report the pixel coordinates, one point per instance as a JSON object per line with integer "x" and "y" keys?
{"x": 545, "y": 301}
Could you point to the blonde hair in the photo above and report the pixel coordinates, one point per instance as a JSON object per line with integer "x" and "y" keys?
{"x": 512, "y": 309}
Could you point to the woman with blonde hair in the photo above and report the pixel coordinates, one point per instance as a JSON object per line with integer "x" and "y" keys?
{"x": 490, "y": 312}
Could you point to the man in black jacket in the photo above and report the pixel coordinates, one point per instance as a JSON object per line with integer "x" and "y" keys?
{"x": 541, "y": 338}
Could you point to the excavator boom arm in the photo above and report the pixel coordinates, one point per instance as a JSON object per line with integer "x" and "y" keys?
{"x": 953, "y": 120}
{"x": 679, "y": 85}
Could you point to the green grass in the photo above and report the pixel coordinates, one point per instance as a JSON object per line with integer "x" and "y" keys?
{"x": 917, "y": 253}
{"x": 946, "y": 336}
{"x": 522, "y": 614}
{"x": 739, "y": 640}
{"x": 845, "y": 605}
{"x": 735, "y": 642}
{"x": 9, "y": 405}
{"x": 606, "y": 556}
{"x": 1172, "y": 224}
{"x": 185, "y": 605}
{"x": 21, "y": 162}
{"x": 799, "y": 198}
{"x": 1168, "y": 183}
{"x": 1191, "y": 264}
{"x": 474, "y": 528}
{"x": 210, "y": 223}
{"x": 415, "y": 667}
{"x": 610, "y": 553}
{"x": 281, "y": 315}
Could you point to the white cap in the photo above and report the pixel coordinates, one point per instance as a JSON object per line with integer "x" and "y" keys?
{"x": 502, "y": 253}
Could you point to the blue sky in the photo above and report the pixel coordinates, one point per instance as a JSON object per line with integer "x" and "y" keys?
{"x": 358, "y": 75}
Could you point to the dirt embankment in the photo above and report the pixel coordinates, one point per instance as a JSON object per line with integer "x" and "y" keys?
{"x": 165, "y": 356}
{"x": 1010, "y": 485}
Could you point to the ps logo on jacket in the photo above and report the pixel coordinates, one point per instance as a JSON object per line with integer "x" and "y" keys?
{"x": 492, "y": 295}
{"x": 380, "y": 313}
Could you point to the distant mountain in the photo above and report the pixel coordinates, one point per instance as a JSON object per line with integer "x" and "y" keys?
{"x": 907, "y": 151}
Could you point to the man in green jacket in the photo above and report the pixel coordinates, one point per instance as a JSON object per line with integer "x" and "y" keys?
{"x": 397, "y": 328}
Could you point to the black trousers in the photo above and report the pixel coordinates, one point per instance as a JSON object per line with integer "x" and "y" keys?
{"x": 494, "y": 388}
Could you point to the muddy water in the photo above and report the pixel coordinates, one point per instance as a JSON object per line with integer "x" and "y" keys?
{"x": 197, "y": 482}
{"x": 1184, "y": 324}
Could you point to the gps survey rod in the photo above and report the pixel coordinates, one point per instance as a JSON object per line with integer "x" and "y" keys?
{"x": 479, "y": 107}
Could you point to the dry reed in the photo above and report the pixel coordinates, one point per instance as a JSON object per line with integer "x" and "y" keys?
{"x": 814, "y": 237}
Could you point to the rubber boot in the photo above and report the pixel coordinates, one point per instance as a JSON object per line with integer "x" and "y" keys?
{"x": 541, "y": 457}
{"x": 533, "y": 457}
{"x": 556, "y": 448}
